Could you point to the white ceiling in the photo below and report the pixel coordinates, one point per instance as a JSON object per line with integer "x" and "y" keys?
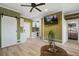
{"x": 50, "y": 7}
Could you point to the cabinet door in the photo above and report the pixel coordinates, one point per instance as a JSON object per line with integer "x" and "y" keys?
{"x": 8, "y": 29}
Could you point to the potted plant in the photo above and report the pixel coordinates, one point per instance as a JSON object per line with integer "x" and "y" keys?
{"x": 51, "y": 40}
{"x": 50, "y": 37}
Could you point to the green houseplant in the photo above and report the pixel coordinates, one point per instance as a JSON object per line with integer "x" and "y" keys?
{"x": 50, "y": 37}
{"x": 51, "y": 40}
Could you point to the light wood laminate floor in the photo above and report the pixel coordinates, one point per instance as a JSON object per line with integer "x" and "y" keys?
{"x": 32, "y": 48}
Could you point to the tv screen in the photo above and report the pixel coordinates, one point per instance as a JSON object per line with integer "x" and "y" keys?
{"x": 51, "y": 20}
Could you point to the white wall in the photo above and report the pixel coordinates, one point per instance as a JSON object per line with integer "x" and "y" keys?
{"x": 64, "y": 30}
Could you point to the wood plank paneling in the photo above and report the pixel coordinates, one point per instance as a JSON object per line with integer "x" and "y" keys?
{"x": 72, "y": 16}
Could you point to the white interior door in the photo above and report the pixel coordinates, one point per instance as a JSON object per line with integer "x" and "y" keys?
{"x": 9, "y": 28}
{"x": 26, "y": 34}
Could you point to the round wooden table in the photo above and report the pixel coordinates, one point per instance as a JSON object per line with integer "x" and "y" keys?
{"x": 59, "y": 52}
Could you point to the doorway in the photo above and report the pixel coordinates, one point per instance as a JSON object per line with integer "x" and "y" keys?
{"x": 36, "y": 29}
{"x": 72, "y": 32}
{"x": 26, "y": 30}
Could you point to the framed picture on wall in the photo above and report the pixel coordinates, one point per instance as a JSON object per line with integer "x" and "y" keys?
{"x": 50, "y": 20}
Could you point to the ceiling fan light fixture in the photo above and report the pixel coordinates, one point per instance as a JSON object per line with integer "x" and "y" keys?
{"x": 46, "y": 10}
{"x": 34, "y": 6}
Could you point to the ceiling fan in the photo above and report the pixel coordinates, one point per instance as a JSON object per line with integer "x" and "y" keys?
{"x": 34, "y": 5}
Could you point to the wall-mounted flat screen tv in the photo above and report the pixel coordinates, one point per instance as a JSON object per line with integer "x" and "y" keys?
{"x": 50, "y": 20}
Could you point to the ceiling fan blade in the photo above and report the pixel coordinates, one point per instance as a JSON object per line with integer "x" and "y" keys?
{"x": 31, "y": 9}
{"x": 38, "y": 9}
{"x": 40, "y": 4}
{"x": 26, "y": 5}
